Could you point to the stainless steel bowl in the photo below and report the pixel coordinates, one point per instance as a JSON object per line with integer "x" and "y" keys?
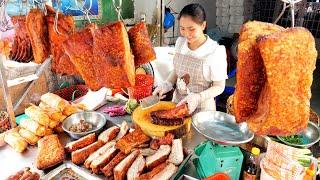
{"x": 221, "y": 128}
{"x": 310, "y": 136}
{"x": 97, "y": 119}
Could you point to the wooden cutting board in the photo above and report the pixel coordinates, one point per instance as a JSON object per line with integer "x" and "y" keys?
{"x": 142, "y": 118}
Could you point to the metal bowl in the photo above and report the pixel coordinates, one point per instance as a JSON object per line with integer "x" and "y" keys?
{"x": 97, "y": 119}
{"x": 310, "y": 136}
{"x": 221, "y": 128}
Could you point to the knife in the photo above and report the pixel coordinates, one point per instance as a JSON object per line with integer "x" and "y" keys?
{"x": 149, "y": 101}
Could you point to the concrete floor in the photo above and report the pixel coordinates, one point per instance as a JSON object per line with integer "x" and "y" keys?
{"x": 315, "y": 89}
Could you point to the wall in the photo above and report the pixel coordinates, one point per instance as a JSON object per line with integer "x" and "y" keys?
{"x": 147, "y": 7}
{"x": 176, "y": 5}
{"x": 150, "y": 7}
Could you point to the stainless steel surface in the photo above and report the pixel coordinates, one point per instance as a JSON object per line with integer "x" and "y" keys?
{"x": 79, "y": 173}
{"x": 30, "y": 85}
{"x": 221, "y": 128}
{"x": 310, "y": 136}
{"x": 97, "y": 119}
{"x": 11, "y": 161}
{"x": 149, "y": 101}
{"x": 6, "y": 93}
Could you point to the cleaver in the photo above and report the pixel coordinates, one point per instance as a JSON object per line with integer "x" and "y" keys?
{"x": 149, "y": 101}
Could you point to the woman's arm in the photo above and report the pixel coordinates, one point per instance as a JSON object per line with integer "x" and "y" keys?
{"x": 216, "y": 89}
{"x": 172, "y": 78}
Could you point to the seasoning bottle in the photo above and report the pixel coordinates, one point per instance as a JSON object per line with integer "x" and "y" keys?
{"x": 251, "y": 169}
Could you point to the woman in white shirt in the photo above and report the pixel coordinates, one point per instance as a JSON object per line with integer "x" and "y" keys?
{"x": 200, "y": 65}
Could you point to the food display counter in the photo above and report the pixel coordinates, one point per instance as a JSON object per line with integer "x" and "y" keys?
{"x": 12, "y": 161}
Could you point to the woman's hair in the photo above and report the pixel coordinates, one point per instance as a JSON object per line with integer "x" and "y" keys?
{"x": 195, "y": 11}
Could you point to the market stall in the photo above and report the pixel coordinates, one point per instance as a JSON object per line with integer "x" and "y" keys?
{"x": 112, "y": 125}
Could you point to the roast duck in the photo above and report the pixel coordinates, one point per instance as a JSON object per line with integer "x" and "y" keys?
{"x": 274, "y": 76}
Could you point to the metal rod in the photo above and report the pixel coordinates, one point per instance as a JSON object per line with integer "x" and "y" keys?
{"x": 5, "y": 91}
{"x": 292, "y": 15}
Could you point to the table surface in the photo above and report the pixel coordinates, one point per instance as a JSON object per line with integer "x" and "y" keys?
{"x": 12, "y": 161}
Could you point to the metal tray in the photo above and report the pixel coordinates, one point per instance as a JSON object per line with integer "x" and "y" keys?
{"x": 86, "y": 174}
{"x": 70, "y": 170}
{"x": 310, "y": 136}
{"x": 221, "y": 128}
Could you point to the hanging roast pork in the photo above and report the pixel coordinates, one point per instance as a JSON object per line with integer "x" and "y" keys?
{"x": 277, "y": 87}
{"x": 38, "y": 33}
{"x": 141, "y": 44}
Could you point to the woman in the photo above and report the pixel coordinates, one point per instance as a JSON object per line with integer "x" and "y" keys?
{"x": 200, "y": 66}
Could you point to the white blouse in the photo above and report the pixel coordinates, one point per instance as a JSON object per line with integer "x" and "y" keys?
{"x": 213, "y": 55}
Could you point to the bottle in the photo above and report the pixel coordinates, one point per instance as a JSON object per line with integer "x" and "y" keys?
{"x": 252, "y": 167}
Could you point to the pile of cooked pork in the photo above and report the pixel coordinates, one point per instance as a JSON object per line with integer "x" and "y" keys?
{"x": 103, "y": 56}
{"x": 123, "y": 153}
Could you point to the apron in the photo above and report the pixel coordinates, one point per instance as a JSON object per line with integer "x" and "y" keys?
{"x": 187, "y": 64}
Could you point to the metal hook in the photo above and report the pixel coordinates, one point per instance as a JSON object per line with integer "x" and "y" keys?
{"x": 87, "y": 10}
{"x": 83, "y": 9}
{"x": 118, "y": 9}
{"x": 292, "y": 8}
{"x": 56, "y": 19}
{"x": 4, "y": 22}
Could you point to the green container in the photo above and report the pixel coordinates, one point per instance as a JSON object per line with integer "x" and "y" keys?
{"x": 21, "y": 117}
{"x": 213, "y": 158}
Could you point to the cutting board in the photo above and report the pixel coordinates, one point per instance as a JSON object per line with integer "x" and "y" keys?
{"x": 142, "y": 118}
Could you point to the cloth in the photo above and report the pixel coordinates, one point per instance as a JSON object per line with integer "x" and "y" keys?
{"x": 212, "y": 54}
{"x": 211, "y": 58}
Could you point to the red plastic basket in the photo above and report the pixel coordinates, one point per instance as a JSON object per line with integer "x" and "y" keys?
{"x": 143, "y": 87}
{"x": 73, "y": 92}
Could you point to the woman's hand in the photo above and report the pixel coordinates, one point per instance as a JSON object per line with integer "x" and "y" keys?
{"x": 192, "y": 100}
{"x": 162, "y": 89}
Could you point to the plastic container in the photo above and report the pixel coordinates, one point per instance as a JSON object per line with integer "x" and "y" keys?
{"x": 214, "y": 158}
{"x": 143, "y": 87}
{"x": 218, "y": 176}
